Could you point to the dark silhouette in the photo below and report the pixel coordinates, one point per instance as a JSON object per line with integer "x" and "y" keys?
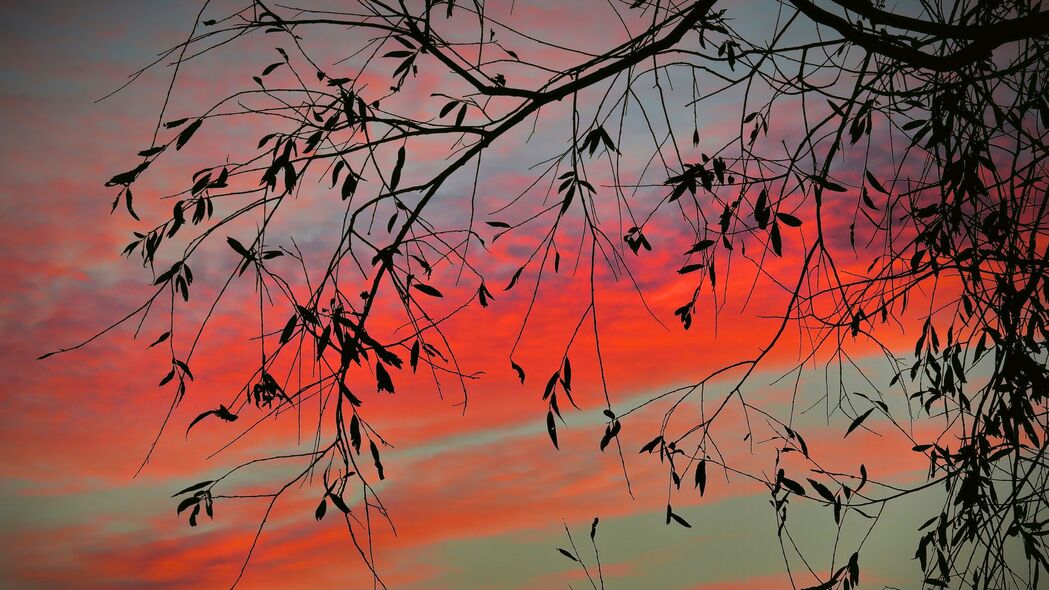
{"x": 912, "y": 137}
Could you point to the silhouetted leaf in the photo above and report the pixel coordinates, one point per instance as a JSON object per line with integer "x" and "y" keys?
{"x": 701, "y": 476}
{"x": 567, "y": 554}
{"x": 339, "y": 503}
{"x": 193, "y": 488}
{"x": 160, "y": 339}
{"x": 859, "y": 420}
{"x": 519, "y": 370}
{"x": 184, "y": 504}
{"x": 700, "y": 246}
{"x": 674, "y": 517}
{"x": 874, "y": 182}
{"x": 793, "y": 486}
{"x": 187, "y": 133}
{"x": 375, "y": 457}
{"x": 395, "y": 176}
{"x": 383, "y": 382}
{"x": 651, "y": 445}
{"x": 289, "y": 329}
{"x": 222, "y": 412}
{"x": 513, "y": 280}
{"x": 427, "y": 289}
{"x": 610, "y": 432}
{"x": 822, "y": 490}
{"x": 355, "y": 433}
{"x": 551, "y": 428}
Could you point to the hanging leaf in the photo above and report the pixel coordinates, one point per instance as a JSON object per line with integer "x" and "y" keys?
{"x": 610, "y": 432}
{"x": 383, "y": 382}
{"x": 859, "y": 420}
{"x": 222, "y": 412}
{"x": 187, "y": 133}
{"x": 551, "y": 427}
{"x": 567, "y": 554}
{"x": 701, "y": 476}
{"x": 788, "y": 219}
{"x": 375, "y": 457}
{"x": 519, "y": 370}
{"x": 427, "y": 289}
{"x": 395, "y": 177}
{"x": 874, "y": 182}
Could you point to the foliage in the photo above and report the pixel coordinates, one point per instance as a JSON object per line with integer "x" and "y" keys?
{"x": 927, "y": 129}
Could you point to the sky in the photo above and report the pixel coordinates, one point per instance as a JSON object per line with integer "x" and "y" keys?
{"x": 479, "y": 498}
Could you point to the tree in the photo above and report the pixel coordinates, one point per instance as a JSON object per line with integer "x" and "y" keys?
{"x": 883, "y": 167}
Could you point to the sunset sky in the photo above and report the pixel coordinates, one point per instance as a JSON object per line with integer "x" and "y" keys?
{"x": 480, "y": 499}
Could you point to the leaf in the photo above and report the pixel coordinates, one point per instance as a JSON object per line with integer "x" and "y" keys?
{"x": 432, "y": 292}
{"x": 167, "y": 378}
{"x": 339, "y": 503}
{"x": 651, "y": 445}
{"x": 551, "y": 428}
{"x": 775, "y": 240}
{"x": 676, "y": 518}
{"x": 550, "y": 385}
{"x": 567, "y": 554}
{"x": 222, "y": 412}
{"x": 700, "y": 246}
{"x": 499, "y": 224}
{"x": 194, "y": 487}
{"x": 859, "y": 420}
{"x": 610, "y": 433}
{"x": 701, "y": 476}
{"x": 239, "y": 248}
{"x": 269, "y": 69}
{"x": 874, "y": 182}
{"x": 355, "y": 433}
{"x": 349, "y": 394}
{"x": 793, "y": 486}
{"x": 321, "y": 509}
{"x": 129, "y": 176}
{"x": 593, "y": 529}
{"x": 190, "y": 501}
{"x": 289, "y": 329}
{"x": 827, "y": 184}
{"x": 375, "y": 457}
{"x": 822, "y": 490}
{"x": 349, "y": 186}
{"x": 175, "y": 123}
{"x": 162, "y": 338}
{"x": 513, "y": 280}
{"x": 789, "y": 219}
{"x": 383, "y": 382}
{"x": 413, "y": 355}
{"x": 187, "y": 133}
{"x": 395, "y": 177}
{"x": 520, "y": 371}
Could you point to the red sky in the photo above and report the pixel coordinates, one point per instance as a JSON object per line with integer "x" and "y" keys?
{"x": 480, "y": 499}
